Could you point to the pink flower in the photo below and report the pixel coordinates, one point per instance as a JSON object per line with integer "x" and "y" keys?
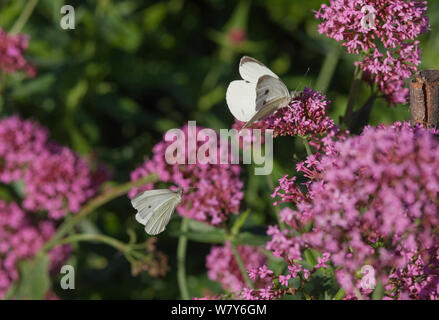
{"x": 305, "y": 115}
{"x": 55, "y": 178}
{"x": 248, "y": 294}
{"x": 266, "y": 293}
{"x": 12, "y": 48}
{"x": 390, "y": 48}
{"x": 375, "y": 203}
{"x": 222, "y": 266}
{"x": 58, "y": 181}
{"x": 20, "y": 238}
{"x": 283, "y": 280}
{"x": 321, "y": 261}
{"x": 264, "y": 272}
{"x": 20, "y": 142}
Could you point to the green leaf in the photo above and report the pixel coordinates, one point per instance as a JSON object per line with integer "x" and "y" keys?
{"x": 18, "y": 187}
{"x": 34, "y": 86}
{"x": 239, "y": 222}
{"x": 34, "y": 279}
{"x": 200, "y": 226}
{"x": 251, "y": 239}
{"x": 378, "y": 293}
{"x": 339, "y": 295}
{"x": 216, "y": 236}
{"x": 311, "y": 257}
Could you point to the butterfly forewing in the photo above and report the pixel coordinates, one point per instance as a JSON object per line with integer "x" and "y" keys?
{"x": 146, "y": 202}
{"x": 251, "y": 69}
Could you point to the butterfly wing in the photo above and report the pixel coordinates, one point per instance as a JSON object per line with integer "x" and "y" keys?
{"x": 155, "y": 208}
{"x": 271, "y": 95}
{"x": 269, "y": 90}
{"x": 251, "y": 70}
{"x": 241, "y": 99}
{"x": 161, "y": 216}
{"x": 260, "y": 94}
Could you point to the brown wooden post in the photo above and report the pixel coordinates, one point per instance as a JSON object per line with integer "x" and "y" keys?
{"x": 424, "y": 98}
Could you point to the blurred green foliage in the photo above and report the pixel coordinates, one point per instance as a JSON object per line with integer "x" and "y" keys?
{"x": 133, "y": 69}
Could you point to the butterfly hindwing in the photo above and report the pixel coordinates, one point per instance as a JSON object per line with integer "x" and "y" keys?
{"x": 269, "y": 90}
{"x": 241, "y": 99}
{"x": 161, "y": 217}
{"x": 264, "y": 112}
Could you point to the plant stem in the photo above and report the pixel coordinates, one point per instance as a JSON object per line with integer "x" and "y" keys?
{"x": 181, "y": 259}
{"x": 24, "y": 16}
{"x": 93, "y": 205}
{"x": 2, "y": 82}
{"x": 275, "y": 208}
{"x": 241, "y": 264}
{"x": 307, "y": 146}
{"x": 95, "y": 237}
{"x": 360, "y": 117}
{"x": 353, "y": 94}
{"x": 328, "y": 68}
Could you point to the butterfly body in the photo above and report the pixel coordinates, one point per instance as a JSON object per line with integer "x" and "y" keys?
{"x": 155, "y": 208}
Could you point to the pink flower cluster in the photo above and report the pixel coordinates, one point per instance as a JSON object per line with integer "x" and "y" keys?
{"x": 218, "y": 188}
{"x": 375, "y": 203}
{"x": 305, "y": 115}
{"x": 20, "y": 142}
{"x": 397, "y": 24}
{"x": 222, "y": 266}
{"x": 20, "y": 238}
{"x": 291, "y": 191}
{"x": 12, "y": 48}
{"x": 280, "y": 285}
{"x": 58, "y": 181}
{"x": 55, "y": 178}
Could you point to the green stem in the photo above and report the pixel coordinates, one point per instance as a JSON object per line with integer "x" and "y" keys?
{"x": 2, "y": 82}
{"x": 93, "y": 205}
{"x": 328, "y": 68}
{"x": 181, "y": 260}
{"x": 353, "y": 94}
{"x": 307, "y": 145}
{"x": 95, "y": 237}
{"x": 24, "y": 16}
{"x": 241, "y": 265}
{"x": 275, "y": 208}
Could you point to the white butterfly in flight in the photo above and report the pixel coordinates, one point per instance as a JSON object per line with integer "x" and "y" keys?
{"x": 258, "y": 95}
{"x": 155, "y": 208}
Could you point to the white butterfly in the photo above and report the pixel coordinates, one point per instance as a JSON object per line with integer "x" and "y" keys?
{"x": 258, "y": 95}
{"x": 155, "y": 208}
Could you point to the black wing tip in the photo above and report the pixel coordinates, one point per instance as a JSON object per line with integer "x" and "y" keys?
{"x": 245, "y": 59}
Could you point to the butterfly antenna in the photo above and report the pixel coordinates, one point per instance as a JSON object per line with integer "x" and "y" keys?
{"x": 294, "y": 93}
